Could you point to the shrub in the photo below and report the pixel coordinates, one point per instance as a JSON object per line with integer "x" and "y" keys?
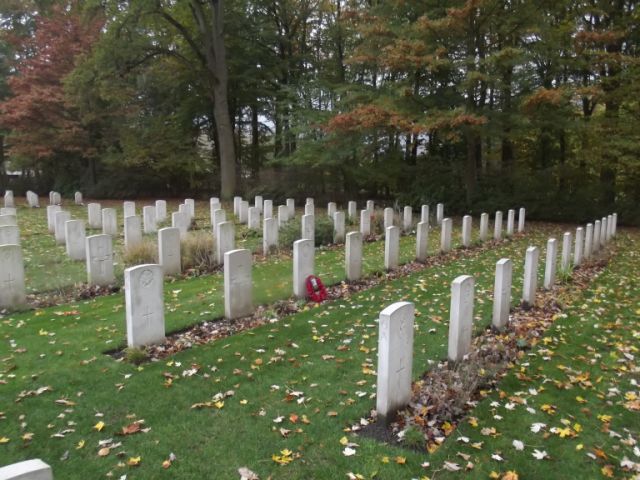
{"x": 197, "y": 252}
{"x": 144, "y": 252}
{"x": 324, "y": 230}
{"x": 289, "y": 233}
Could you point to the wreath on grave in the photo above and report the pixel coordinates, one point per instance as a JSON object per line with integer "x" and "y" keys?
{"x": 316, "y": 290}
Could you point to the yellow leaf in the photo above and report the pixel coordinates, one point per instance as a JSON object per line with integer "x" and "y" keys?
{"x": 510, "y": 475}
{"x": 473, "y": 421}
{"x": 27, "y": 437}
{"x": 4, "y": 440}
{"x": 103, "y": 452}
{"x": 607, "y": 471}
{"x": 80, "y": 445}
{"x": 134, "y": 461}
{"x": 166, "y": 464}
{"x": 580, "y": 446}
{"x": 219, "y": 404}
{"x": 384, "y": 459}
{"x": 344, "y": 441}
{"x": 494, "y": 475}
{"x": 99, "y": 426}
{"x": 400, "y": 460}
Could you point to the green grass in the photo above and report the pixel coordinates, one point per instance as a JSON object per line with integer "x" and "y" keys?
{"x": 63, "y": 349}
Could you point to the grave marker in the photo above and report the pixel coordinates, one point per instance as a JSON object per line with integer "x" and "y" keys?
{"x": 34, "y": 469}
{"x": 588, "y": 241}
{"x": 109, "y": 221}
{"x": 407, "y": 220}
{"x": 12, "y": 291}
{"x": 269, "y": 235}
{"x": 352, "y": 210}
{"x": 424, "y": 214}
{"x": 303, "y": 265}
{"x": 461, "y": 317}
{"x": 253, "y": 218}
{"x": 238, "y": 288}
{"x": 77, "y": 198}
{"x": 75, "y": 239}
{"x": 577, "y": 252}
{"x": 149, "y": 219}
{"x": 484, "y": 227}
{"x": 391, "y": 248}
{"x": 497, "y": 228}
{"x": 466, "y": 230}
{"x": 566, "y": 251}
{"x": 161, "y": 210}
{"x": 422, "y": 241}
{"x": 144, "y": 301}
{"x": 99, "y": 250}
{"x": 169, "y": 251}
{"x": 129, "y": 209}
{"x": 51, "y": 217}
{"x": 445, "y": 235}
{"x": 308, "y": 228}
{"x": 521, "y": 217}
{"x": 365, "y": 222}
{"x": 338, "y": 227}
{"x": 530, "y": 284}
{"x": 550, "y": 264}
{"x": 9, "y": 235}
{"x": 132, "y": 231}
{"x": 353, "y": 256}
{"x": 94, "y": 215}
{"x": 388, "y": 218}
{"x": 61, "y": 217}
{"x": 439, "y": 213}
{"x": 511, "y": 215}
{"x": 502, "y": 293}
{"x": 225, "y": 240}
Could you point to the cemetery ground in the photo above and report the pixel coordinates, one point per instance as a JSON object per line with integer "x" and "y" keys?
{"x": 281, "y": 399}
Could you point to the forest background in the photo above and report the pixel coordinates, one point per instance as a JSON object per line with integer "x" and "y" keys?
{"x": 480, "y": 104}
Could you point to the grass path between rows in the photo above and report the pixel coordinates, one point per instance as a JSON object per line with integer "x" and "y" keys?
{"x": 315, "y": 369}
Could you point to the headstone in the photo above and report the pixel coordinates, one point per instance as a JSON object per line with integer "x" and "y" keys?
{"x": 338, "y": 227}
{"x": 236, "y": 206}
{"x": 303, "y": 266}
{"x": 445, "y": 235}
{"x": 309, "y": 209}
{"x": 244, "y": 212}
{"x": 497, "y": 227}
{"x": 238, "y": 287}
{"x": 283, "y": 215}
{"x": 502, "y": 293}
{"x": 225, "y": 240}
{"x": 365, "y": 222}
{"x": 461, "y": 317}
{"x": 308, "y": 228}
{"x": 9, "y": 235}
{"x": 12, "y": 292}
{"x": 258, "y": 203}
{"x": 51, "y": 216}
{"x": 149, "y": 219}
{"x": 352, "y": 210}
{"x": 550, "y": 264}
{"x": 180, "y": 220}
{"x": 391, "y": 248}
{"x": 214, "y": 204}
{"x": 161, "y": 210}
{"x": 56, "y": 198}
{"x": 75, "y": 239}
{"x": 609, "y": 227}
{"x": 77, "y": 198}
{"x": 9, "y": 201}
{"x": 144, "y": 301}
{"x": 309, "y": 201}
{"x": 395, "y": 359}
{"x": 169, "y": 251}
{"x": 596, "y": 236}
{"x": 34, "y": 469}
{"x": 191, "y": 208}
{"x": 371, "y": 206}
{"x": 219, "y": 216}
{"x": 33, "y": 200}
{"x": 615, "y": 224}
{"x": 511, "y": 216}
{"x": 109, "y": 221}
{"x": 521, "y": 217}
{"x": 132, "y": 231}
{"x": 129, "y": 209}
{"x": 8, "y": 220}
{"x": 484, "y": 227}
{"x": 588, "y": 241}
{"x": 577, "y": 249}
{"x": 94, "y": 215}
{"x": 254, "y": 218}
{"x": 466, "y": 231}
{"x": 269, "y": 235}
{"x": 9, "y": 211}
{"x": 422, "y": 241}
{"x": 61, "y": 217}
{"x": 566, "y": 251}
{"x": 51, "y": 197}
{"x": 407, "y": 219}
{"x": 530, "y": 284}
{"x": 331, "y": 209}
{"x": 99, "y": 250}
{"x": 268, "y": 208}
{"x": 424, "y": 214}
{"x": 603, "y": 231}
{"x": 182, "y": 208}
{"x": 291, "y": 205}
{"x": 388, "y": 218}
{"x": 353, "y": 256}
{"x": 439, "y": 213}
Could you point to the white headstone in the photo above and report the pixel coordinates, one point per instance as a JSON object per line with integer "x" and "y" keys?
{"x": 309, "y": 209}
{"x": 77, "y": 198}
{"x": 225, "y": 240}
{"x": 61, "y": 217}
{"x": 51, "y": 216}
{"x": 56, "y": 198}
{"x": 291, "y": 205}
{"x": 309, "y": 201}
{"x": 214, "y": 204}
{"x": 9, "y": 211}
{"x": 268, "y": 208}
{"x": 371, "y": 206}
{"x": 191, "y": 207}
{"x": 161, "y": 210}
{"x": 566, "y": 251}
{"x": 109, "y": 221}
{"x": 424, "y": 214}
{"x": 588, "y": 241}
{"x": 283, "y": 215}
{"x": 238, "y": 287}
{"x": 308, "y": 228}
{"x": 388, "y": 217}
{"x": 75, "y": 239}
{"x": 258, "y": 202}
{"x": 550, "y": 264}
{"x": 9, "y": 235}
{"x": 303, "y": 265}
{"x": 269, "y": 235}
{"x": 99, "y": 250}
{"x": 9, "y": 201}
{"x": 445, "y": 235}
{"x": 497, "y": 227}
{"x": 8, "y": 220}
{"x": 149, "y": 219}
{"x": 521, "y": 217}
{"x": 129, "y": 209}
{"x": 466, "y": 230}
{"x": 395, "y": 359}
{"x": 365, "y": 222}
{"x": 596, "y": 236}
{"x": 33, "y": 199}
{"x": 253, "y": 218}
{"x": 180, "y": 220}
{"x": 219, "y": 216}
{"x": 144, "y": 301}
{"x": 609, "y": 227}
{"x": 352, "y": 210}
{"x": 407, "y": 219}
{"x": 338, "y": 227}
{"x": 12, "y": 292}
{"x": 530, "y": 284}
{"x": 484, "y": 227}
{"x": 603, "y": 231}
{"x": 34, "y": 469}
{"x": 439, "y": 213}
{"x": 236, "y": 206}
{"x": 353, "y": 256}
{"x": 169, "y": 251}
{"x": 331, "y": 209}
{"x": 132, "y": 231}
{"x": 615, "y": 224}
{"x": 502, "y": 293}
{"x": 511, "y": 216}
{"x": 391, "y": 248}
{"x": 461, "y": 317}
{"x": 577, "y": 251}
{"x": 94, "y": 215}
{"x": 243, "y": 217}
{"x": 422, "y": 241}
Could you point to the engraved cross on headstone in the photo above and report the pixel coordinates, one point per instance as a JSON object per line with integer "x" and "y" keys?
{"x": 10, "y": 281}
{"x": 148, "y": 315}
{"x": 101, "y": 257}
